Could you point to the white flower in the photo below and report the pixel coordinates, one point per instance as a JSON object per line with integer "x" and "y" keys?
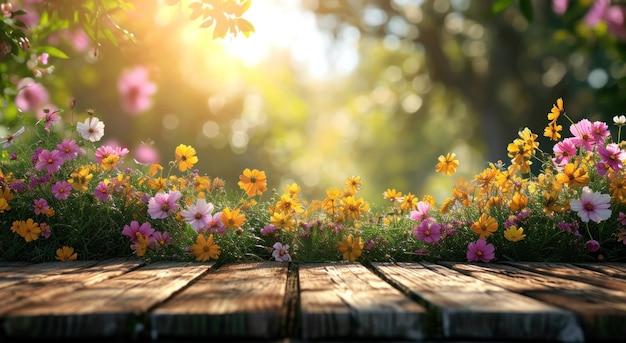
{"x": 592, "y": 206}
{"x": 92, "y": 129}
{"x": 281, "y": 252}
{"x": 619, "y": 120}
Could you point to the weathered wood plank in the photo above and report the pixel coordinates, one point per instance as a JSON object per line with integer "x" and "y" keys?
{"x": 12, "y": 265}
{"x": 40, "y": 270}
{"x": 614, "y": 269}
{"x": 346, "y": 300}
{"x": 602, "y": 312}
{"x": 110, "y": 308}
{"x": 462, "y": 307}
{"x": 55, "y": 278}
{"x": 244, "y": 300}
{"x": 573, "y": 272}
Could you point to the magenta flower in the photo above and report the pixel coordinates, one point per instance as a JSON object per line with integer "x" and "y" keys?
{"x": 136, "y": 90}
{"x": 146, "y": 154}
{"x": 592, "y": 206}
{"x": 107, "y": 150}
{"x": 480, "y": 251}
{"x": 198, "y": 214}
{"x": 621, "y": 218}
{"x": 600, "y": 131}
{"x": 563, "y": 152}
{"x": 612, "y": 155}
{"x": 593, "y": 245}
{"x": 161, "y": 239}
{"x": 41, "y": 206}
{"x": 45, "y": 229}
{"x": 102, "y": 191}
{"x": 49, "y": 117}
{"x": 69, "y": 149}
{"x": 9, "y": 139}
{"x": 135, "y": 230}
{"x": 50, "y": 161}
{"x": 61, "y": 190}
{"x": 163, "y": 204}
{"x": 281, "y": 252}
{"x": 428, "y": 231}
{"x": 31, "y": 96}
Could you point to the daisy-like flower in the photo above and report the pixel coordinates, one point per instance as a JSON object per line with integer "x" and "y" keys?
{"x": 350, "y": 248}
{"x": 50, "y": 161}
{"x": 102, "y": 191}
{"x": 392, "y": 195}
{"x": 557, "y": 110}
{"x": 9, "y": 139}
{"x": 92, "y": 129}
{"x": 185, "y": 157}
{"x": 198, "y": 214}
{"x": 423, "y": 207}
{"x": 205, "y": 249}
{"x": 480, "y": 251}
{"x": 49, "y": 117}
{"x": 428, "y": 231}
{"x": 514, "y": 234}
{"x": 619, "y": 120}
{"x": 232, "y": 218}
{"x": 612, "y": 155}
{"x": 29, "y": 229}
{"x": 283, "y": 220}
{"x": 485, "y": 226}
{"x": 31, "y": 95}
{"x": 69, "y": 149}
{"x": 254, "y": 182}
{"x": 163, "y": 204}
{"x": 136, "y": 90}
{"x": 135, "y": 230}
{"x": 447, "y": 164}
{"x": 583, "y": 132}
{"x": 66, "y": 254}
{"x": 563, "y": 152}
{"x": 215, "y": 223}
{"x": 593, "y": 206}
{"x": 41, "y": 206}
{"x": 281, "y": 252}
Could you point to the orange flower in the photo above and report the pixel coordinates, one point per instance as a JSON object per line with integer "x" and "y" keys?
{"x": 485, "y": 226}
{"x": 350, "y": 248}
{"x": 205, "y": 249}
{"x": 447, "y": 164}
{"x": 66, "y": 254}
{"x": 232, "y": 218}
{"x": 254, "y": 182}
{"x": 185, "y": 157}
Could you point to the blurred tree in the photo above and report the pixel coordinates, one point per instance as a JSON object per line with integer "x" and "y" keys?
{"x": 508, "y": 63}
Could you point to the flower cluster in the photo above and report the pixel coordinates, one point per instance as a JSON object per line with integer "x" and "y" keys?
{"x": 64, "y": 197}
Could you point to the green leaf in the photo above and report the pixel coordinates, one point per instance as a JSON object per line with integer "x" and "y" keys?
{"x": 526, "y": 6}
{"x": 52, "y": 51}
{"x": 110, "y": 36}
{"x": 500, "y": 5}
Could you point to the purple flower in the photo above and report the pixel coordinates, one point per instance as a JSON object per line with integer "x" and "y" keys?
{"x": 198, "y": 214}
{"x": 612, "y": 155}
{"x": 163, "y": 204}
{"x": 133, "y": 230}
{"x": 50, "y": 161}
{"x": 102, "y": 191}
{"x": 69, "y": 149}
{"x": 428, "y": 231}
{"x": 41, "y": 206}
{"x": 480, "y": 251}
{"x": 593, "y": 245}
{"x": 215, "y": 223}
{"x": 61, "y": 190}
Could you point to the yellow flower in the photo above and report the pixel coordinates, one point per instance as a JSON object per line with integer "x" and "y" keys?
{"x": 80, "y": 178}
{"x": 447, "y": 164}
{"x": 485, "y": 226}
{"x": 573, "y": 175}
{"x": 518, "y": 202}
{"x": 353, "y": 208}
{"x": 282, "y": 220}
{"x": 553, "y": 131}
{"x": 514, "y": 234}
{"x": 392, "y": 195}
{"x": 409, "y": 202}
{"x": 29, "y": 229}
{"x": 331, "y": 202}
{"x": 232, "y": 218}
{"x": 4, "y": 205}
{"x": 350, "y": 248}
{"x": 254, "y": 182}
{"x": 66, "y": 254}
{"x": 205, "y": 249}
{"x": 557, "y": 110}
{"x": 288, "y": 204}
{"x": 185, "y": 157}
{"x": 354, "y": 183}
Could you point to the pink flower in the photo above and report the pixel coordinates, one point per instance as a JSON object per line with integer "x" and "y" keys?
{"x": 9, "y": 139}
{"x": 480, "y": 251}
{"x": 161, "y": 239}
{"x": 102, "y": 191}
{"x": 593, "y": 245}
{"x": 41, "y": 206}
{"x": 134, "y": 230}
{"x": 592, "y": 206}
{"x": 428, "y": 231}
{"x": 563, "y": 151}
{"x": 612, "y": 155}
{"x": 600, "y": 131}
{"x": 136, "y": 90}
{"x": 163, "y": 204}
{"x": 49, "y": 117}
{"x": 50, "y": 161}
{"x": 31, "y": 96}
{"x": 621, "y": 218}
{"x": 583, "y": 134}
{"x": 281, "y": 252}
{"x": 69, "y": 149}
{"x": 198, "y": 214}
{"x": 559, "y": 6}
{"x": 146, "y": 154}
{"x": 107, "y": 150}
{"x": 45, "y": 229}
{"x": 217, "y": 226}
{"x": 423, "y": 207}
{"x": 61, "y": 190}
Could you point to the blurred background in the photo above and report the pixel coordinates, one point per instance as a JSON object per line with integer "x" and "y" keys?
{"x": 328, "y": 89}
